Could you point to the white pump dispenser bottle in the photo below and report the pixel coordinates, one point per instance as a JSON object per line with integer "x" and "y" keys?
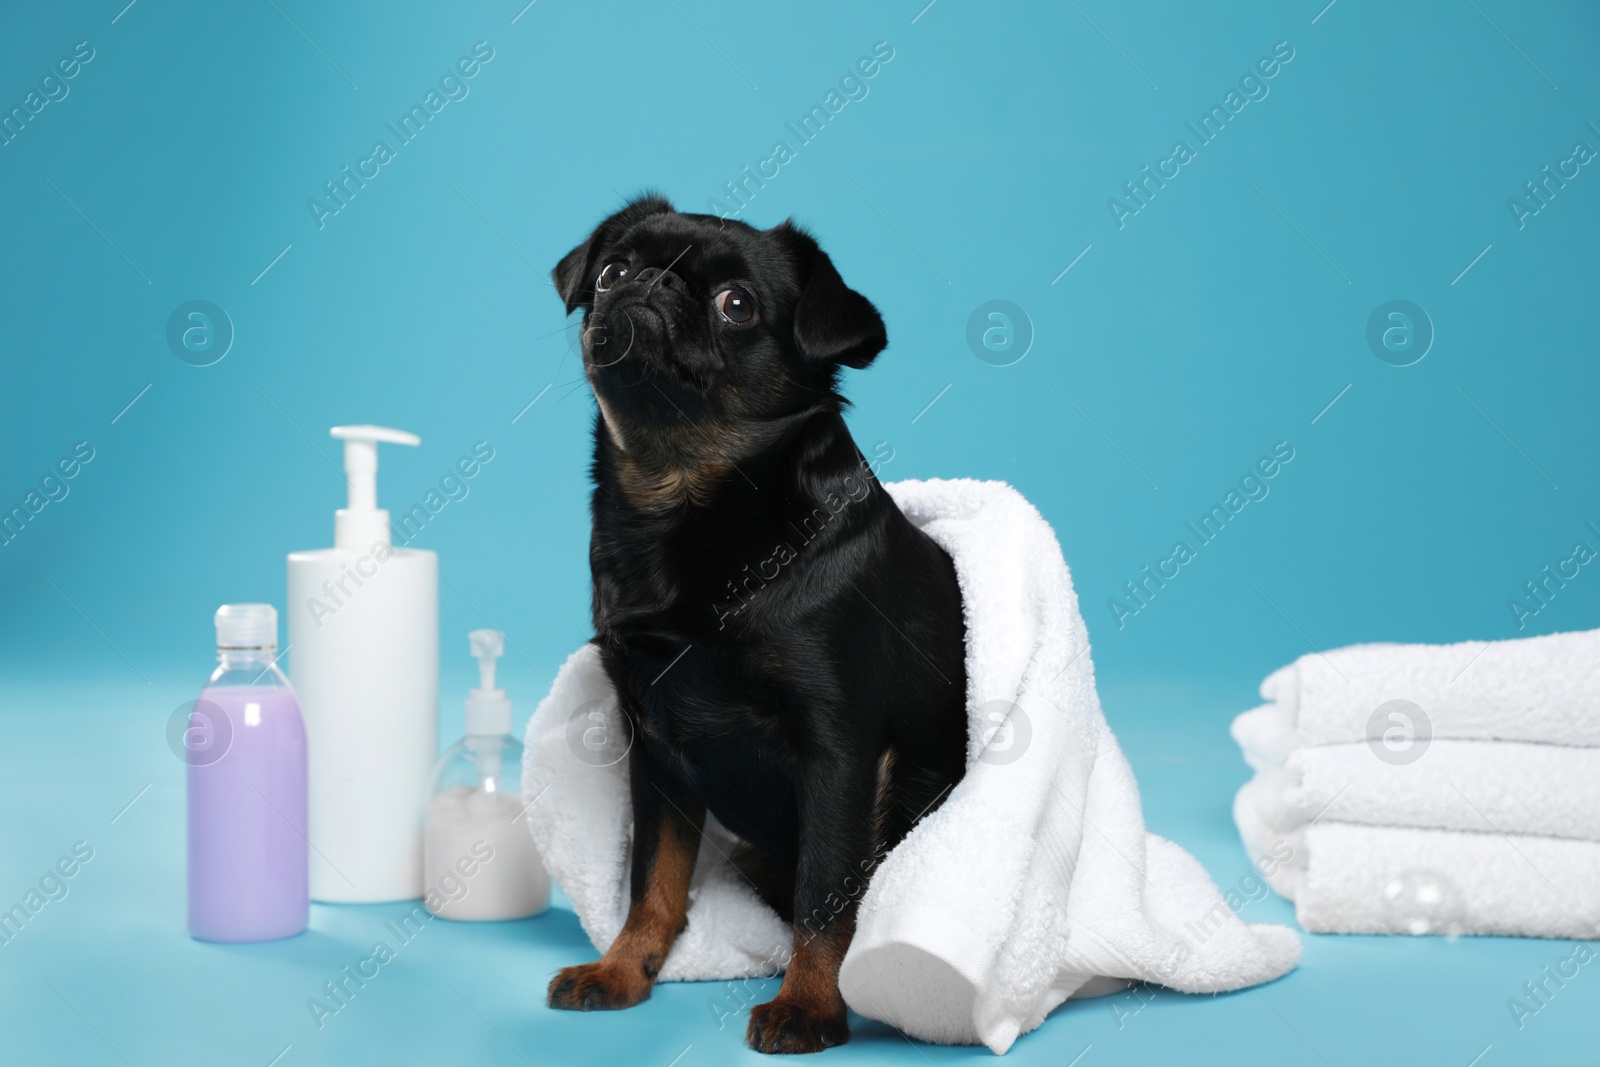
{"x": 364, "y": 650}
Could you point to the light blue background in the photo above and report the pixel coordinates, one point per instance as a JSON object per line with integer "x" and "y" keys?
{"x": 1175, "y": 352}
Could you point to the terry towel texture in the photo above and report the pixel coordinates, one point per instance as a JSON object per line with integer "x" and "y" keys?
{"x": 1033, "y": 882}
{"x": 1541, "y": 689}
{"x": 1480, "y": 816}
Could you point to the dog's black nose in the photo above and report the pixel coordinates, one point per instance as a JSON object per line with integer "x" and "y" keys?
{"x": 655, "y": 277}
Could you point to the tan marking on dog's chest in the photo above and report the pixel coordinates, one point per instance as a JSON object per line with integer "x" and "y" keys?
{"x": 664, "y": 488}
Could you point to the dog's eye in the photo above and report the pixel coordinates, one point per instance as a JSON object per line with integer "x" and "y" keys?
{"x": 735, "y": 305}
{"x": 613, "y": 273}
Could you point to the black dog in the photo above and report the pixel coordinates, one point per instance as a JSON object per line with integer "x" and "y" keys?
{"x": 786, "y": 646}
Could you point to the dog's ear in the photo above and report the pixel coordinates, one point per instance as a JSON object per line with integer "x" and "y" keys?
{"x": 831, "y": 320}
{"x": 574, "y": 276}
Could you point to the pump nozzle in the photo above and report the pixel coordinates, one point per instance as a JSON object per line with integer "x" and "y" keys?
{"x": 488, "y": 708}
{"x": 362, "y": 523}
{"x": 487, "y": 646}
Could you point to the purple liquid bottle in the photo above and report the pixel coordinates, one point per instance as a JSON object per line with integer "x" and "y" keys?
{"x": 246, "y": 751}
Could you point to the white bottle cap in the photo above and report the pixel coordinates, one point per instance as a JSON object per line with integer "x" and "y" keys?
{"x": 488, "y": 707}
{"x": 241, "y": 626}
{"x": 361, "y": 523}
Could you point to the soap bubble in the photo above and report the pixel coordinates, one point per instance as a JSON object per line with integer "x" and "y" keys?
{"x": 199, "y": 733}
{"x": 1420, "y": 901}
{"x": 1399, "y": 732}
{"x": 598, "y": 733}
{"x": 1004, "y": 733}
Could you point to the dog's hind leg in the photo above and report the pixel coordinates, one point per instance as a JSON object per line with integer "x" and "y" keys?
{"x": 909, "y": 793}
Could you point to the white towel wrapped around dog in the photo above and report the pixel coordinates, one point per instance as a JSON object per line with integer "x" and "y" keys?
{"x": 1033, "y": 882}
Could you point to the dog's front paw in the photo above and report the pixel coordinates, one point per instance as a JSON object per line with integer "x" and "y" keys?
{"x": 598, "y": 986}
{"x": 796, "y": 1026}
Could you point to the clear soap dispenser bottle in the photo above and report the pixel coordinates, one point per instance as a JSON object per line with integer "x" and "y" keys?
{"x": 479, "y": 860}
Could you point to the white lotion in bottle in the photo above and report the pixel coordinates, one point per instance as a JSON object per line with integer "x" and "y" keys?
{"x": 480, "y": 860}
{"x": 364, "y": 638}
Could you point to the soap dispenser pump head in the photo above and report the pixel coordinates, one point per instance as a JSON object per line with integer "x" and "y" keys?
{"x": 361, "y": 523}
{"x": 488, "y": 708}
{"x": 487, "y": 646}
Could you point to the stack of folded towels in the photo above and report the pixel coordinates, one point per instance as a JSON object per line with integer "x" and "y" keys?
{"x": 1428, "y": 789}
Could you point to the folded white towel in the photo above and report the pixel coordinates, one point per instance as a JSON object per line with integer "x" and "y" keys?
{"x": 1541, "y": 689}
{"x": 1033, "y": 882}
{"x": 1486, "y": 786}
{"x": 1352, "y": 879}
{"x": 1431, "y": 789}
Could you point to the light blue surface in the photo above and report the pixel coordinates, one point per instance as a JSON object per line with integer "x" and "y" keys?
{"x": 1229, "y": 314}
{"x": 124, "y": 974}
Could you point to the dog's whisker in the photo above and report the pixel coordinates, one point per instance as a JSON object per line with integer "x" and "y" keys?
{"x": 552, "y": 333}
{"x": 569, "y": 392}
{"x": 563, "y": 361}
